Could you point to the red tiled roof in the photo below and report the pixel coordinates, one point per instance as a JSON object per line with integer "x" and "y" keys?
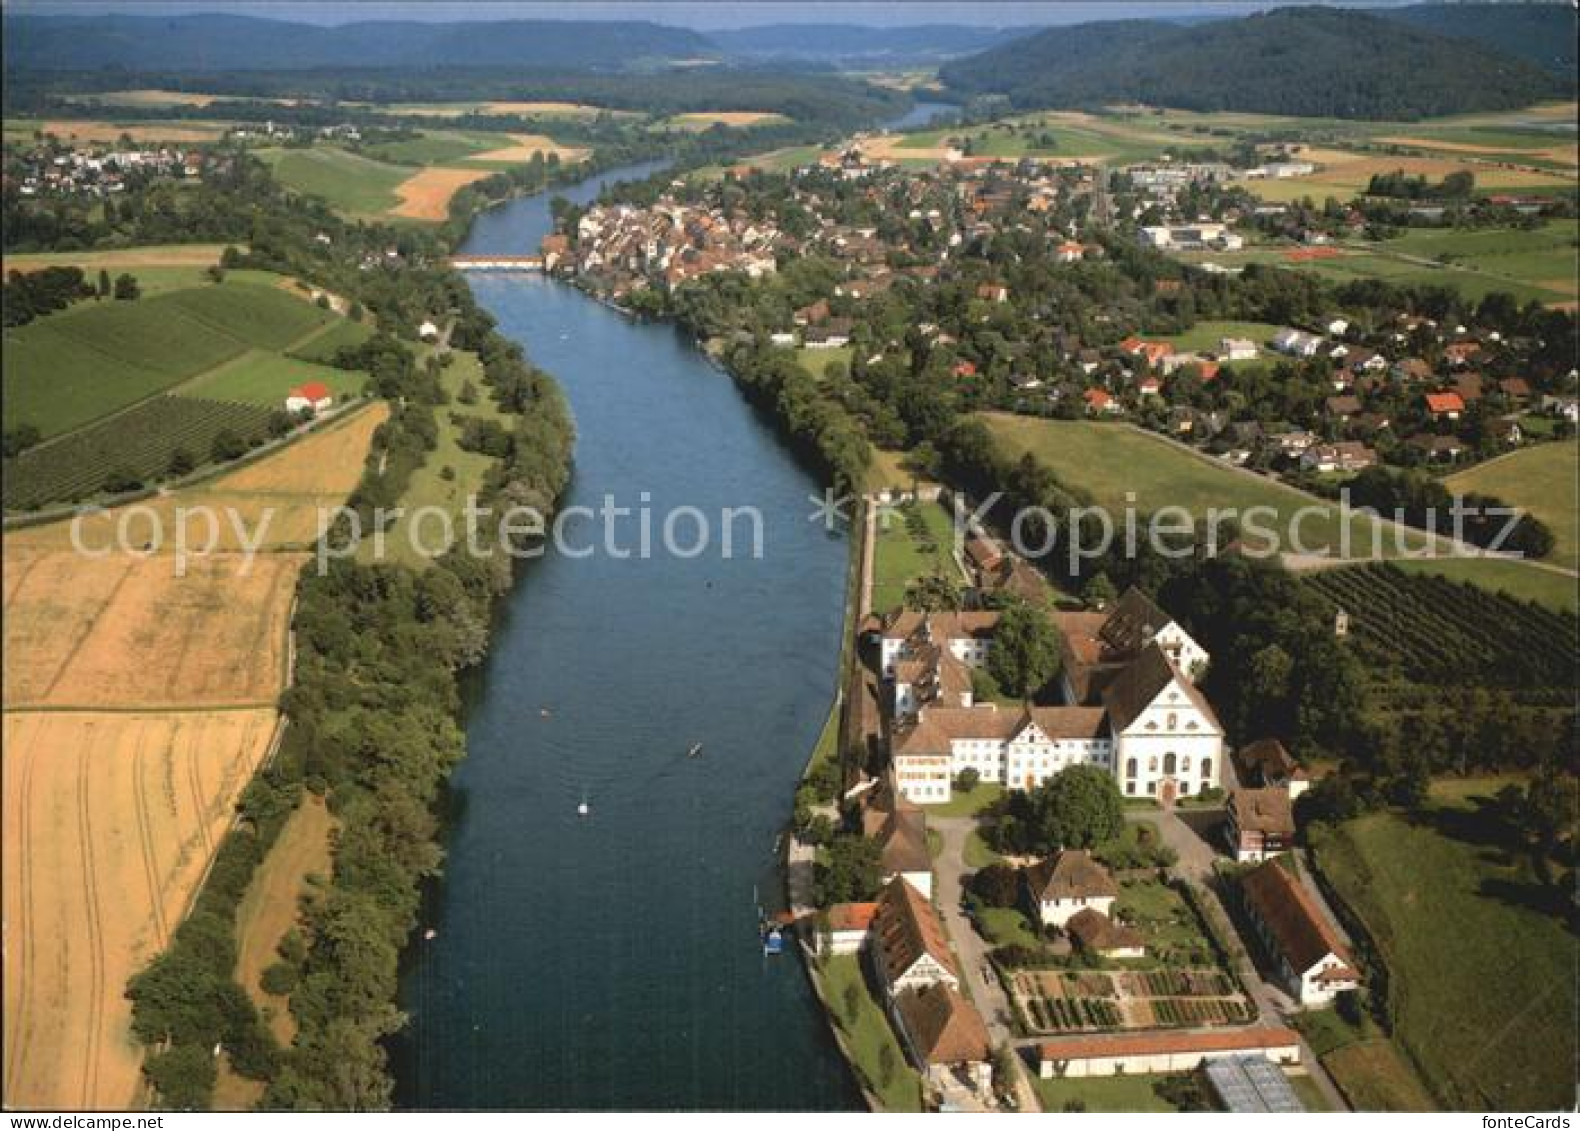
{"x": 851, "y": 916}
{"x": 312, "y": 391}
{"x": 1282, "y": 902}
{"x": 1152, "y": 1044}
{"x": 1445, "y": 402}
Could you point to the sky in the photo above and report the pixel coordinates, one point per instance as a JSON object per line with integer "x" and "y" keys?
{"x": 700, "y": 14}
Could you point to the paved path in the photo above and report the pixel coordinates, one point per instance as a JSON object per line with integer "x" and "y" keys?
{"x": 1190, "y": 833}
{"x": 971, "y": 950}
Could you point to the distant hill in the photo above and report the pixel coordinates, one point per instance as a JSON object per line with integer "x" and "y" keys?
{"x": 232, "y": 43}
{"x": 1320, "y": 62}
{"x": 1543, "y": 34}
{"x": 856, "y": 43}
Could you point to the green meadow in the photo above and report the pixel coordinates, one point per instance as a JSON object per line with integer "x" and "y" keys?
{"x": 69, "y": 368}
{"x": 359, "y": 186}
{"x": 1540, "y": 479}
{"x": 1480, "y": 962}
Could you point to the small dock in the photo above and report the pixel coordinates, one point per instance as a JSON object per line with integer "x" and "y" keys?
{"x": 497, "y": 262}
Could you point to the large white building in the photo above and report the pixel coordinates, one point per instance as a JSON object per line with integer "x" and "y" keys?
{"x": 1129, "y": 679}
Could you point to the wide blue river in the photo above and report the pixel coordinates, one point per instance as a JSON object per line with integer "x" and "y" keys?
{"x": 612, "y": 960}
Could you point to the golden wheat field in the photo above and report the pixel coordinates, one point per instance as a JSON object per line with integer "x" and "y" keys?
{"x": 110, "y": 822}
{"x": 139, "y": 701}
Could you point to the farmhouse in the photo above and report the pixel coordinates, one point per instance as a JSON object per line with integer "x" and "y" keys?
{"x": 909, "y": 950}
{"x": 1261, "y": 823}
{"x": 1312, "y": 964}
{"x": 944, "y": 1037}
{"x": 1143, "y": 1053}
{"x": 1070, "y": 882}
{"x": 313, "y": 396}
{"x": 1236, "y": 349}
{"x": 1445, "y": 406}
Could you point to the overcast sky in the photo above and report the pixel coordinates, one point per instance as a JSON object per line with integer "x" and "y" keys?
{"x": 701, "y": 14}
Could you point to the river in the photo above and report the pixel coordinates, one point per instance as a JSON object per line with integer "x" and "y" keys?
{"x": 612, "y": 960}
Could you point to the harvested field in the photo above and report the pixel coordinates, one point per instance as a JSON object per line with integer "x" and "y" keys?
{"x": 426, "y": 196}
{"x": 112, "y": 813}
{"x": 123, "y": 631}
{"x": 137, "y": 131}
{"x": 526, "y": 145}
{"x": 561, "y": 109}
{"x": 701, "y": 120}
{"x": 164, "y": 255}
{"x": 110, "y": 821}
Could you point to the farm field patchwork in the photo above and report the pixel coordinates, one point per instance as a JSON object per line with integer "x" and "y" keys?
{"x": 110, "y": 820}
{"x": 85, "y": 362}
{"x": 1480, "y": 965}
{"x": 140, "y": 442}
{"x": 262, "y": 378}
{"x": 112, "y": 813}
{"x": 277, "y": 498}
{"x": 426, "y": 196}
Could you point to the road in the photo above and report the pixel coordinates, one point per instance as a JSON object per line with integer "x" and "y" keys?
{"x": 971, "y": 949}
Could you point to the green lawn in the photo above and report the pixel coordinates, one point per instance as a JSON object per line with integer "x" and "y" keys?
{"x": 1122, "y": 467}
{"x": 1102, "y": 1094}
{"x": 964, "y": 803}
{"x": 1173, "y": 933}
{"x": 903, "y": 554}
{"x": 263, "y": 378}
{"x": 358, "y": 186}
{"x": 1541, "y": 479}
{"x": 83, "y": 363}
{"x": 1481, "y": 971}
{"x": 1006, "y": 926}
{"x": 977, "y": 853}
{"x": 429, "y": 487}
{"x": 1204, "y": 336}
{"x": 816, "y": 362}
{"x": 868, "y": 1033}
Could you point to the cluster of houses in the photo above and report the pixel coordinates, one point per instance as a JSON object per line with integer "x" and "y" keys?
{"x": 620, "y": 248}
{"x": 98, "y": 170}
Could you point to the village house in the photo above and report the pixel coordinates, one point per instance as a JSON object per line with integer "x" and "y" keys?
{"x": 900, "y": 828}
{"x": 1067, "y": 883}
{"x": 1346, "y": 455}
{"x": 1140, "y": 1054}
{"x": 944, "y": 1037}
{"x": 313, "y": 396}
{"x": 1236, "y": 349}
{"x": 1266, "y": 763}
{"x": 909, "y": 950}
{"x": 1260, "y": 823}
{"x": 1311, "y": 963}
{"x": 847, "y": 925}
{"x": 1099, "y": 936}
{"x": 1445, "y": 406}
